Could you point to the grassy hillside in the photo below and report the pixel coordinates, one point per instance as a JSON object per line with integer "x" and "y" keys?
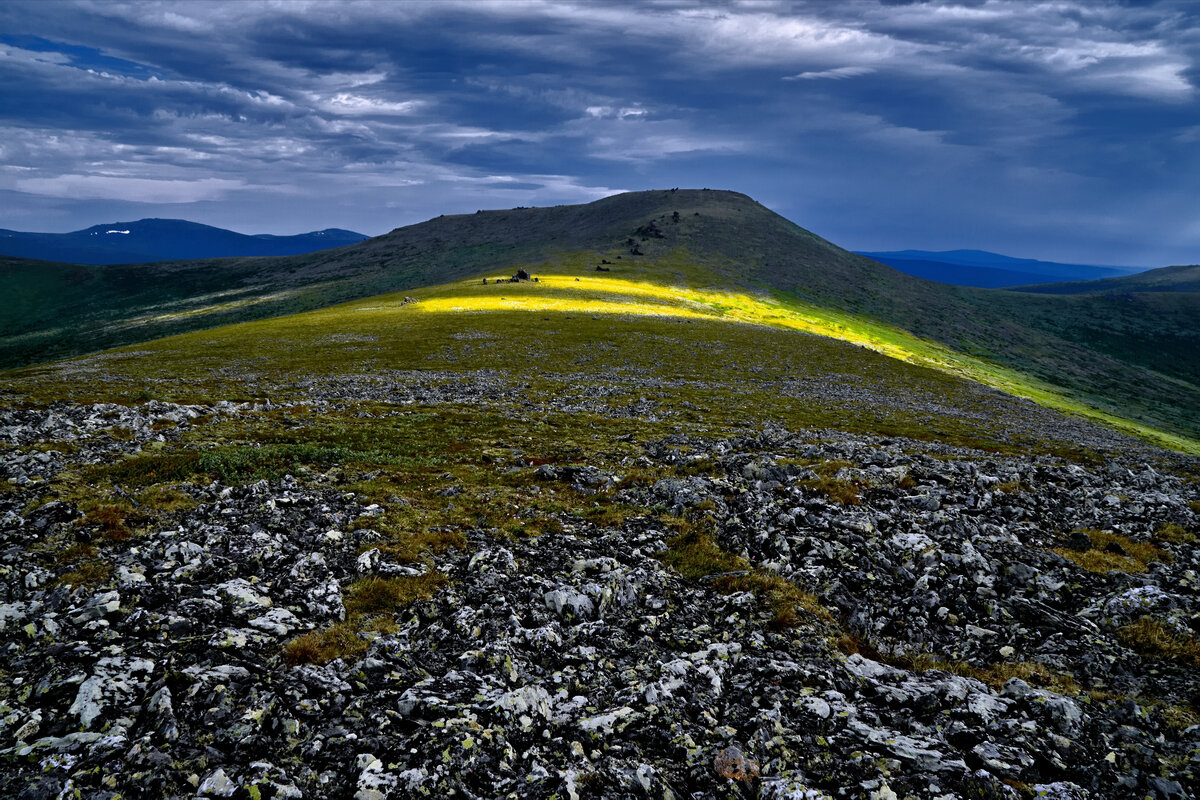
{"x": 1119, "y": 358}
{"x": 640, "y": 331}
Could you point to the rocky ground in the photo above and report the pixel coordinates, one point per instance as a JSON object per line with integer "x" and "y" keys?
{"x": 775, "y": 615}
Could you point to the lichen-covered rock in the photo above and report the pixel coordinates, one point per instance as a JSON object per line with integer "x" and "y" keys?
{"x": 947, "y": 647}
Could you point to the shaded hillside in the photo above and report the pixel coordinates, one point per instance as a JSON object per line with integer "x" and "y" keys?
{"x": 149, "y": 240}
{"x": 1167, "y": 279}
{"x": 1112, "y": 355}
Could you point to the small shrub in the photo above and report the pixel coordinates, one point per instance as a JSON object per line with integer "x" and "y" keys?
{"x": 146, "y": 469}
{"x": 321, "y": 647}
{"x": 1170, "y": 532}
{"x": 1180, "y": 717}
{"x": 844, "y": 492}
{"x": 166, "y": 499}
{"x": 1105, "y": 554}
{"x": 87, "y": 574}
{"x": 111, "y": 522}
{"x": 76, "y": 552}
{"x": 1151, "y": 638}
{"x": 271, "y": 461}
{"x": 375, "y": 595}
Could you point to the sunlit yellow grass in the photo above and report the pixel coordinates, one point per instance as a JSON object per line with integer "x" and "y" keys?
{"x": 396, "y": 326}
{"x": 608, "y": 295}
{"x": 587, "y": 295}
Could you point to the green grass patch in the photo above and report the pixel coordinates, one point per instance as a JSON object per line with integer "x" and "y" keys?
{"x": 845, "y": 492}
{"x": 994, "y": 675}
{"x": 370, "y": 603}
{"x": 412, "y": 548}
{"x": 164, "y": 499}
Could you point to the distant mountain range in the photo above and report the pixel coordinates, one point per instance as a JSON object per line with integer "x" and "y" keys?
{"x": 152, "y": 240}
{"x": 990, "y": 270}
{"x": 149, "y": 240}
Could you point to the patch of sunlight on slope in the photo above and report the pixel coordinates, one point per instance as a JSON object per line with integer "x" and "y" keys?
{"x": 606, "y": 295}
{"x": 213, "y": 308}
{"x": 586, "y": 295}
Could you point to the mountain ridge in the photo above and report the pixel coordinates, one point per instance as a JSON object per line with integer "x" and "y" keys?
{"x": 984, "y": 269}
{"x": 155, "y": 239}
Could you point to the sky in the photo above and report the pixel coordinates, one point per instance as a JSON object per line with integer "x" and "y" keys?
{"x": 1065, "y": 130}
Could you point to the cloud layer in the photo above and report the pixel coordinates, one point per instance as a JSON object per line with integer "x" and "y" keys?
{"x": 1061, "y": 130}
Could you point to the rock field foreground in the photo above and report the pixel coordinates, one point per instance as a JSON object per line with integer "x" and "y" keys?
{"x": 953, "y": 645}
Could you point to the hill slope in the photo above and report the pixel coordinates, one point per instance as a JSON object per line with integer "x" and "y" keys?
{"x": 1148, "y": 370}
{"x": 149, "y": 240}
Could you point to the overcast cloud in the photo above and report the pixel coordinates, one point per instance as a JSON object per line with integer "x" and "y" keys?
{"x": 1060, "y": 130}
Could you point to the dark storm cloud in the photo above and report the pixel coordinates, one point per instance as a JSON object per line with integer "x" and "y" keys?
{"x": 1064, "y": 130}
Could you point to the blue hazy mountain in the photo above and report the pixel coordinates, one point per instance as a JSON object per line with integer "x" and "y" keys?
{"x": 991, "y": 270}
{"x": 163, "y": 240}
